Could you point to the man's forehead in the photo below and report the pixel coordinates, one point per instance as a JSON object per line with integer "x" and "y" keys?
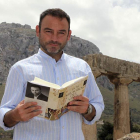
{"x": 34, "y": 87}
{"x": 54, "y": 21}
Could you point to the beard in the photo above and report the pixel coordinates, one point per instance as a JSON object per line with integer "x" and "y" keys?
{"x": 50, "y": 49}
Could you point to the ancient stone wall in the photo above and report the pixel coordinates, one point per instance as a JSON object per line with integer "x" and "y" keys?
{"x": 121, "y": 73}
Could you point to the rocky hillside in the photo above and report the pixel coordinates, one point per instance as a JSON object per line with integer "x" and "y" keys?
{"x": 19, "y": 41}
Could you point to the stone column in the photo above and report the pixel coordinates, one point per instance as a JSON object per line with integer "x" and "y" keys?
{"x": 90, "y": 131}
{"x": 121, "y": 108}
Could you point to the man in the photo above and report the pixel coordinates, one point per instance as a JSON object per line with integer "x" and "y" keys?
{"x": 36, "y": 92}
{"x": 53, "y": 65}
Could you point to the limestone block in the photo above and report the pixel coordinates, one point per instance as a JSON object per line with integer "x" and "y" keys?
{"x": 89, "y": 131}
{"x": 131, "y": 136}
{"x": 113, "y": 66}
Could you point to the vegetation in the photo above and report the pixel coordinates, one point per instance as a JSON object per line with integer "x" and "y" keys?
{"x": 106, "y": 131}
{"x": 135, "y": 128}
{"x": 6, "y": 135}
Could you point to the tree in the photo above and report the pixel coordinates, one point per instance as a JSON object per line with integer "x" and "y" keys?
{"x": 135, "y": 128}
{"x": 106, "y": 132}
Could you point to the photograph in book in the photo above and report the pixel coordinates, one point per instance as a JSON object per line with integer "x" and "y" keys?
{"x": 54, "y": 98}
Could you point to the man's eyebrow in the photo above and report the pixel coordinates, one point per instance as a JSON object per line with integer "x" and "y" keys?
{"x": 62, "y": 30}
{"x": 47, "y": 29}
{"x": 52, "y": 29}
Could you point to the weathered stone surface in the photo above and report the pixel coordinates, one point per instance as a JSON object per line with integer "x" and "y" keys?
{"x": 132, "y": 136}
{"x": 121, "y": 73}
{"x": 112, "y": 66}
{"x": 14, "y": 25}
{"x": 121, "y": 109}
{"x": 89, "y": 131}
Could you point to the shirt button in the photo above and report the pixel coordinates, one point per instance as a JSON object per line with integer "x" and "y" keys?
{"x": 57, "y": 78}
{"x": 63, "y": 127}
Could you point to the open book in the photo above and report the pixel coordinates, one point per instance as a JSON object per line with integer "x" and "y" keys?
{"x": 51, "y": 97}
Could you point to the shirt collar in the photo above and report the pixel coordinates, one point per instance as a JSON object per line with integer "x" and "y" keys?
{"x": 46, "y": 56}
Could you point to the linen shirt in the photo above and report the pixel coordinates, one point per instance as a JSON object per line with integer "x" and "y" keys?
{"x": 69, "y": 126}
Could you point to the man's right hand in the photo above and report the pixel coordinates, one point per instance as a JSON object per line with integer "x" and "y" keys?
{"x": 23, "y": 112}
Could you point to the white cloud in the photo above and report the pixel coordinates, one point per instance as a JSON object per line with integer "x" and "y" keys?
{"x": 112, "y": 25}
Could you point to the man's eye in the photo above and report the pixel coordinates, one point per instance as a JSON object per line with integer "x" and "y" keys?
{"x": 48, "y": 31}
{"x": 62, "y": 33}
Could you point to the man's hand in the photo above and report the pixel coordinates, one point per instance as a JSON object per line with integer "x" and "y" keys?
{"x": 79, "y": 104}
{"x": 23, "y": 112}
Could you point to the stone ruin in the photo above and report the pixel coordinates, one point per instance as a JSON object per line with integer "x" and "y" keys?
{"x": 121, "y": 73}
{"x": 132, "y": 136}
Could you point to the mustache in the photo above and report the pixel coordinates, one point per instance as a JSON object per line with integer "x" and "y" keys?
{"x": 53, "y": 42}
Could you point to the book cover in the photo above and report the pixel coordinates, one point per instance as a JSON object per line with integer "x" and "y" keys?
{"x": 54, "y": 98}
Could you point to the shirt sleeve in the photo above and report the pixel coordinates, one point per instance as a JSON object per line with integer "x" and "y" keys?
{"x": 13, "y": 94}
{"x": 95, "y": 97}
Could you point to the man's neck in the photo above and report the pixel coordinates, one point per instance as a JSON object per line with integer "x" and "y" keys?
{"x": 37, "y": 95}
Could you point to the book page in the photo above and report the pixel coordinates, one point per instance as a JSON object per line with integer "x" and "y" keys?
{"x": 61, "y": 98}
{"x": 75, "y": 89}
{"x": 45, "y": 83}
{"x": 73, "y": 81}
{"x": 54, "y": 97}
{"x": 41, "y": 103}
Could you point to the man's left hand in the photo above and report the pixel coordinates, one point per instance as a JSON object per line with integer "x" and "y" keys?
{"x": 79, "y": 104}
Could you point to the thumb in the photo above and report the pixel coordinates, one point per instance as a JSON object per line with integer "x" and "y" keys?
{"x": 22, "y": 102}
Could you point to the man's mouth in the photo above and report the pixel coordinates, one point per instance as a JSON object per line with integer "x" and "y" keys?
{"x": 52, "y": 44}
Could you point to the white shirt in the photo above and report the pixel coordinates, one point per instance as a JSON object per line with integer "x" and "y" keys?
{"x": 69, "y": 126}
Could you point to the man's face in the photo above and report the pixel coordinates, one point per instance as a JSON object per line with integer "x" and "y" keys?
{"x": 35, "y": 91}
{"x": 53, "y": 34}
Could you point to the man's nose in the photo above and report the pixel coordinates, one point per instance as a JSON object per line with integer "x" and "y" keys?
{"x": 54, "y": 37}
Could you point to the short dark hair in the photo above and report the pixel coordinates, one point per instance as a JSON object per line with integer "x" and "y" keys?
{"x": 36, "y": 86}
{"x": 55, "y": 12}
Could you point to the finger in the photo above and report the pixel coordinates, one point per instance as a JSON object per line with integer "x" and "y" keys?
{"x": 78, "y": 106}
{"x": 27, "y": 108}
{"x": 30, "y": 115}
{"x": 82, "y": 98}
{"x": 22, "y": 102}
{"x": 78, "y": 103}
{"x": 29, "y": 104}
{"x": 32, "y": 109}
{"x": 75, "y": 108}
{"x": 35, "y": 113}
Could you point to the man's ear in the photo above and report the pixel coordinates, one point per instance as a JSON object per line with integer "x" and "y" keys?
{"x": 37, "y": 30}
{"x": 69, "y": 35}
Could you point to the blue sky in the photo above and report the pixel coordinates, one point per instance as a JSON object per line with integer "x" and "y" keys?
{"x": 112, "y": 25}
